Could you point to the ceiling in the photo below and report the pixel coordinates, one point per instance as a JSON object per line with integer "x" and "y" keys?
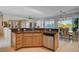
{"x": 34, "y": 11}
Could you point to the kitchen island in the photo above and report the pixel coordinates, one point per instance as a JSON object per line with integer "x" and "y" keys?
{"x": 27, "y": 38}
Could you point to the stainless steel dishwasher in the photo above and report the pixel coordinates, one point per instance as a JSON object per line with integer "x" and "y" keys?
{"x": 48, "y": 41}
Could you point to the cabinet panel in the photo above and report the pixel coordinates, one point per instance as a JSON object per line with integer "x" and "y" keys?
{"x": 37, "y": 34}
{"x": 19, "y": 35}
{"x": 56, "y": 41}
{"x": 37, "y": 41}
{"x": 18, "y": 46}
{"x": 24, "y": 42}
{"x": 27, "y": 41}
{"x": 18, "y": 41}
{"x": 27, "y": 34}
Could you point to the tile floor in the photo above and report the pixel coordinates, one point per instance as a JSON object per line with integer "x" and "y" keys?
{"x": 68, "y": 46}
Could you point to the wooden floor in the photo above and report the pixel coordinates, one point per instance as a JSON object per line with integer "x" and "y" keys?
{"x": 38, "y": 49}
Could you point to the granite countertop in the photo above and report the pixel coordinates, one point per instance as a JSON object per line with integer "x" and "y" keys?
{"x": 31, "y": 31}
{"x": 26, "y": 31}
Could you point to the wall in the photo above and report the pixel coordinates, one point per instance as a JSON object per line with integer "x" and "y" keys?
{"x": 12, "y": 17}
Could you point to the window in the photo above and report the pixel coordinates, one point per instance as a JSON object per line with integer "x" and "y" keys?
{"x": 49, "y": 24}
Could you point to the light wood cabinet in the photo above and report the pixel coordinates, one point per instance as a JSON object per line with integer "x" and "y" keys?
{"x": 55, "y": 41}
{"x": 37, "y": 40}
{"x": 17, "y": 40}
{"x": 27, "y": 41}
{"x": 34, "y": 39}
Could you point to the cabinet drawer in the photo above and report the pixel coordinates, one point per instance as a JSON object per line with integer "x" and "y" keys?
{"x": 27, "y": 34}
{"x": 19, "y": 39}
{"x": 19, "y": 35}
{"x": 37, "y": 34}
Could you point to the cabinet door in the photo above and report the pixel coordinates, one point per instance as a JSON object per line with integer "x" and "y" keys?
{"x": 37, "y": 40}
{"x": 27, "y": 41}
